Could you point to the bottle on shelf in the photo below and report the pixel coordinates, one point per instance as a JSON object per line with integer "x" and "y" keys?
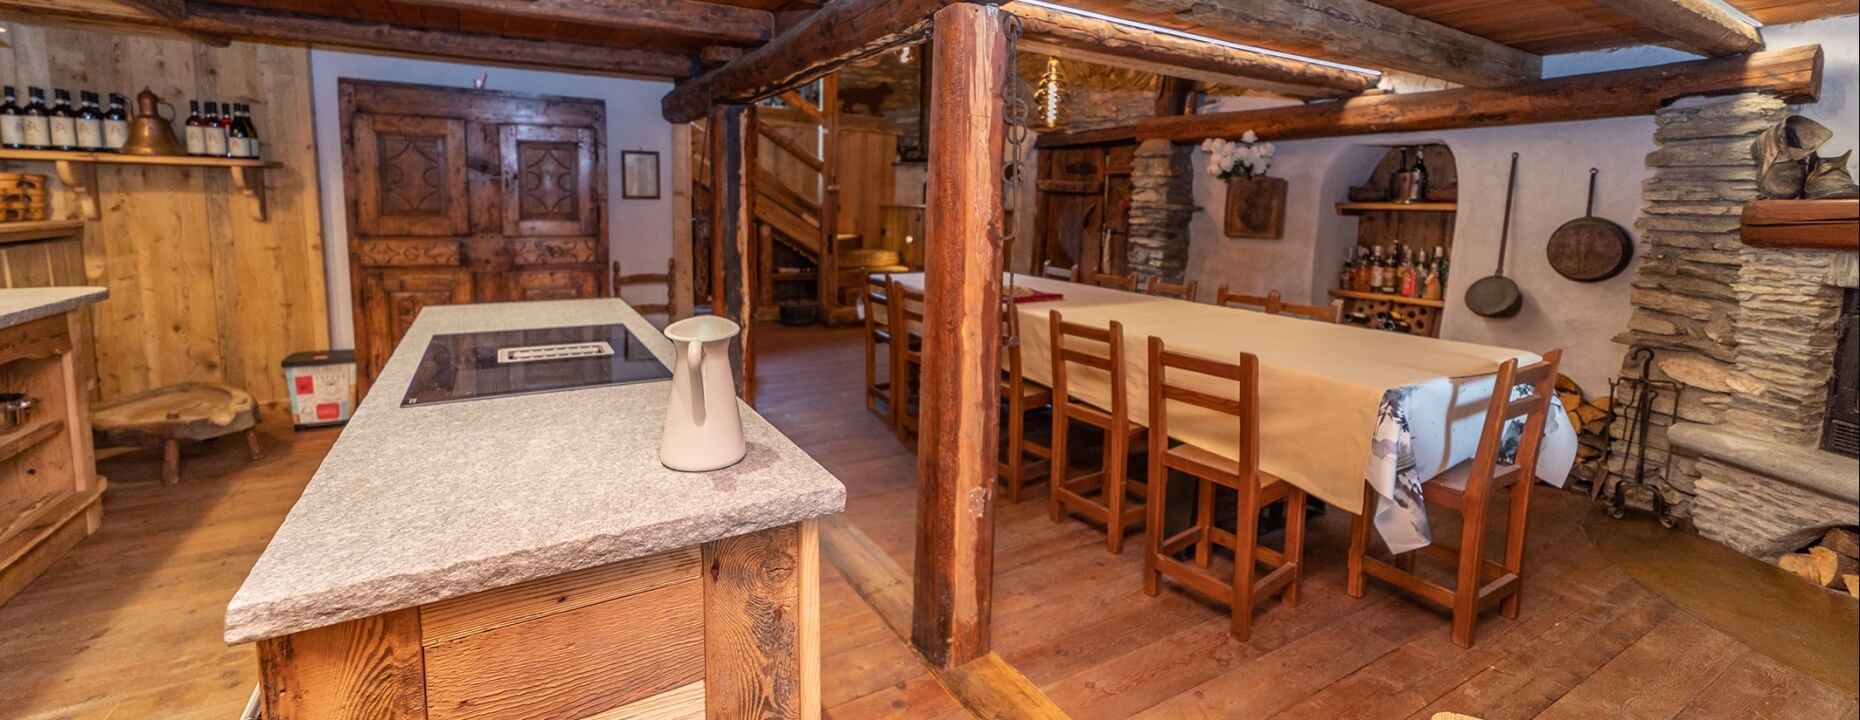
{"x": 226, "y": 125}
{"x": 63, "y": 121}
{"x": 1398, "y": 180}
{"x": 115, "y": 124}
{"x": 1431, "y": 288}
{"x": 196, "y": 129}
{"x": 36, "y": 120}
{"x": 213, "y": 134}
{"x": 241, "y": 140}
{"x": 1410, "y": 278}
{"x": 12, "y": 121}
{"x": 1417, "y": 179}
{"x": 251, "y": 129}
{"x": 89, "y": 123}
{"x": 1375, "y": 269}
{"x": 1391, "y": 273}
{"x": 1346, "y": 278}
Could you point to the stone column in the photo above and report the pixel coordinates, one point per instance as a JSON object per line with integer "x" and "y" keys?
{"x": 1161, "y": 204}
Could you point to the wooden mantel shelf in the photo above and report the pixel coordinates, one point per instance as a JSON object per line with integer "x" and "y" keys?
{"x": 1358, "y": 208}
{"x": 1810, "y": 224}
{"x": 38, "y": 230}
{"x": 78, "y": 171}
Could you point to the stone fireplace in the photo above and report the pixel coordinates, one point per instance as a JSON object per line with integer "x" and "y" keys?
{"x": 1750, "y": 334}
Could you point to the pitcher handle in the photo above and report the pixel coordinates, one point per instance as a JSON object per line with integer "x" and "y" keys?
{"x": 694, "y": 354}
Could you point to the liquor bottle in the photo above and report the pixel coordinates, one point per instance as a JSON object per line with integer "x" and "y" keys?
{"x": 1440, "y": 262}
{"x": 1410, "y": 281}
{"x": 196, "y": 129}
{"x": 115, "y": 124}
{"x": 63, "y": 121}
{"x": 1417, "y": 178}
{"x": 214, "y": 133}
{"x": 1431, "y": 288}
{"x": 35, "y": 120}
{"x": 226, "y": 124}
{"x": 1391, "y": 274}
{"x": 1375, "y": 269}
{"x": 1345, "y": 277}
{"x": 12, "y": 121}
{"x": 89, "y": 123}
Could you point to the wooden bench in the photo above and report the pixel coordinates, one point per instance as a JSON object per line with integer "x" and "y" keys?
{"x": 167, "y": 415}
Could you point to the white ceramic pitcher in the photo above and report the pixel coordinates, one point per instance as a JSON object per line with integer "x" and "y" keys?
{"x": 703, "y": 429}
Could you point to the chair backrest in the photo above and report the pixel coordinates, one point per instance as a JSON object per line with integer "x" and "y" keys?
{"x": 1010, "y": 343}
{"x": 1264, "y": 303}
{"x": 1071, "y": 346}
{"x": 907, "y": 313}
{"x": 1057, "y": 273}
{"x": 1166, "y": 387}
{"x": 1272, "y": 303}
{"x": 1127, "y": 281}
{"x": 622, "y": 281}
{"x": 1332, "y": 313}
{"x": 1185, "y": 291}
{"x": 1520, "y": 392}
{"x": 877, "y": 308}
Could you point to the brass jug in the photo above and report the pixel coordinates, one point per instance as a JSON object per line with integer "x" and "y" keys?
{"x": 149, "y": 132}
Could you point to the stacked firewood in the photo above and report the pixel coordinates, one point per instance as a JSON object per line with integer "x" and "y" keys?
{"x": 1833, "y": 562}
{"x": 1590, "y": 418}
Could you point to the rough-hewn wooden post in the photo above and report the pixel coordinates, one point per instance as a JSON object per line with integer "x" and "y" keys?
{"x": 733, "y": 162}
{"x": 962, "y": 285}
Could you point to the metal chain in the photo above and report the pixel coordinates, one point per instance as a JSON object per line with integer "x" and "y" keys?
{"x": 1014, "y": 111}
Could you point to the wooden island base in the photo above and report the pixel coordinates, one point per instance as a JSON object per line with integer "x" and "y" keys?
{"x": 726, "y": 630}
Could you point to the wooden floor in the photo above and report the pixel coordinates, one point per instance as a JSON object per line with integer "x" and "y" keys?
{"x": 128, "y": 625}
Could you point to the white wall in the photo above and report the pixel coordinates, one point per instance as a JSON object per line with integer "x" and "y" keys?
{"x": 1581, "y": 318}
{"x": 639, "y": 231}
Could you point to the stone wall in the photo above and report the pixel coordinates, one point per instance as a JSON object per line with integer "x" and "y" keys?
{"x": 1161, "y": 204}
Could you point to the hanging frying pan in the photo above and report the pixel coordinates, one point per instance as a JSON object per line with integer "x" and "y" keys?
{"x": 1495, "y": 295}
{"x": 1588, "y": 248}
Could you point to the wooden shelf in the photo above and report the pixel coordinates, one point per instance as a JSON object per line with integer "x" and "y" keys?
{"x": 1397, "y": 299}
{"x": 1810, "y": 224}
{"x": 23, "y": 438}
{"x": 1358, "y": 208}
{"x": 39, "y": 230}
{"x": 79, "y": 172}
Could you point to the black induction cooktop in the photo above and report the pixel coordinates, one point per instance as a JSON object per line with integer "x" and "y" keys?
{"x": 477, "y": 365}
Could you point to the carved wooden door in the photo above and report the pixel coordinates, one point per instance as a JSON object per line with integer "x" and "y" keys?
{"x": 461, "y": 196}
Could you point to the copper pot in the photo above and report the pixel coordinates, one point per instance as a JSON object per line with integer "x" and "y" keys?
{"x": 149, "y": 132}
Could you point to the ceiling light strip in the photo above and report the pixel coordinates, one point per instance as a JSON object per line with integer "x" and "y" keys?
{"x": 1199, "y": 38}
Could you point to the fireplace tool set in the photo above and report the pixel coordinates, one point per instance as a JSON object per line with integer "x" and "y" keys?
{"x": 1638, "y": 402}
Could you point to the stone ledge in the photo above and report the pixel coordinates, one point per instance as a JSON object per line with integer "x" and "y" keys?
{"x": 1812, "y": 469}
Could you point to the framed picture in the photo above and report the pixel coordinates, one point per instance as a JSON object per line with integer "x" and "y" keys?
{"x": 639, "y": 175}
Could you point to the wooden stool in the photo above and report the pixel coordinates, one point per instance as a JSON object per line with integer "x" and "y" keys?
{"x": 877, "y": 332}
{"x": 1071, "y": 492}
{"x": 1468, "y": 487}
{"x": 907, "y": 357}
{"x": 167, "y": 415}
{"x": 1255, "y": 488}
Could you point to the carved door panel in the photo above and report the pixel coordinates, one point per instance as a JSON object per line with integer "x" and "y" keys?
{"x": 411, "y": 173}
{"x": 555, "y": 284}
{"x": 549, "y": 181}
{"x": 392, "y": 298}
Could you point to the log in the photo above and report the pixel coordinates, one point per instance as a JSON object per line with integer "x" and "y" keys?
{"x": 1853, "y": 584}
{"x": 170, "y": 10}
{"x": 707, "y": 21}
{"x": 1793, "y": 74}
{"x": 1801, "y": 565}
{"x": 953, "y": 582}
{"x": 1830, "y": 566}
{"x": 1842, "y": 541}
{"x": 1354, "y": 31}
{"x": 834, "y": 35}
{"x": 1696, "y": 25}
{"x": 1068, "y": 35}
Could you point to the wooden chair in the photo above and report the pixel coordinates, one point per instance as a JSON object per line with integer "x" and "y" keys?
{"x": 877, "y": 332}
{"x": 1254, "y": 489}
{"x": 1066, "y": 491}
{"x": 1274, "y": 304}
{"x": 621, "y": 282}
{"x": 907, "y": 320}
{"x": 1468, "y": 488}
{"x": 1022, "y": 396}
{"x": 1058, "y": 273}
{"x": 1185, "y": 291}
{"x": 1126, "y": 282}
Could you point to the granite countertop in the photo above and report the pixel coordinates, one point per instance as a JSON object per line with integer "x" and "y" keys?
{"x": 24, "y": 305}
{"x": 415, "y": 505}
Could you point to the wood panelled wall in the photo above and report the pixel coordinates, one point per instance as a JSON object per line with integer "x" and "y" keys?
{"x": 198, "y": 289}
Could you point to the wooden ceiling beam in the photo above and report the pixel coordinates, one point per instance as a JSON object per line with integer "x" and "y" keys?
{"x": 1363, "y": 33}
{"x": 834, "y": 35}
{"x": 170, "y": 10}
{"x": 290, "y": 27}
{"x": 726, "y": 24}
{"x": 1699, "y": 26}
{"x": 1061, "y": 34}
{"x": 1793, "y": 74}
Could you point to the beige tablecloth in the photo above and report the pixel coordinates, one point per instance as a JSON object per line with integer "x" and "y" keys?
{"x": 1320, "y": 384}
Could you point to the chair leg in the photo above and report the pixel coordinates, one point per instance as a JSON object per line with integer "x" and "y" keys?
{"x": 252, "y": 449}
{"x": 1246, "y": 540}
{"x": 171, "y": 462}
{"x": 1204, "y": 521}
{"x": 1359, "y": 542}
{"x": 1294, "y": 544}
{"x": 1466, "y": 589}
{"x": 1514, "y": 543}
{"x": 900, "y": 387}
{"x": 1116, "y": 462}
{"x": 1016, "y": 451}
{"x": 1056, "y": 478}
{"x": 871, "y": 370}
{"x": 1153, "y": 529}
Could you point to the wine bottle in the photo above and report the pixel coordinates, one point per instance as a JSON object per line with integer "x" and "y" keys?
{"x": 63, "y": 122}
{"x": 1431, "y": 288}
{"x": 196, "y": 129}
{"x": 214, "y": 134}
{"x": 1417, "y": 178}
{"x": 1375, "y": 269}
{"x": 35, "y": 121}
{"x": 226, "y": 124}
{"x": 89, "y": 123}
{"x": 115, "y": 124}
{"x": 237, "y": 144}
{"x": 1410, "y": 283}
{"x": 251, "y": 129}
{"x": 12, "y": 121}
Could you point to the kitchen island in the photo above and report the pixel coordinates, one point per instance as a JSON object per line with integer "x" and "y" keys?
{"x": 528, "y": 556}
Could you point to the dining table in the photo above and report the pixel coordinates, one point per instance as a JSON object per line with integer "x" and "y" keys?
{"x": 1339, "y": 405}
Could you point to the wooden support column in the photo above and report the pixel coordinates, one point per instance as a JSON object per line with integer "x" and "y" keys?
{"x": 733, "y": 161}
{"x": 962, "y": 286}
{"x": 827, "y": 280}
